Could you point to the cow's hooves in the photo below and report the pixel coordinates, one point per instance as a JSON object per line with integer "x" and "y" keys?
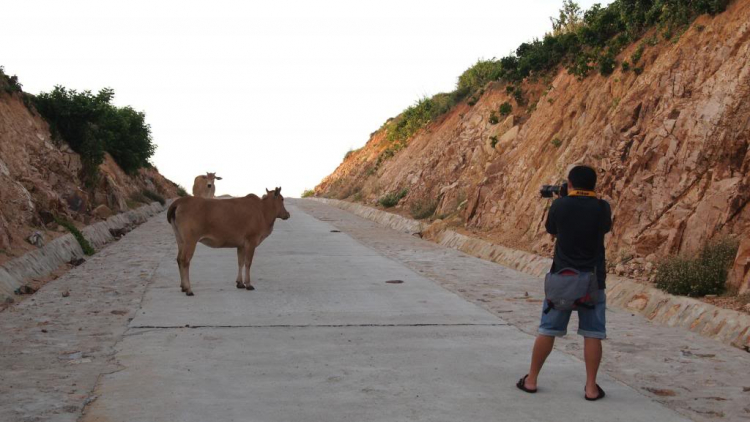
{"x": 249, "y": 287}
{"x": 190, "y": 293}
{"x": 240, "y": 286}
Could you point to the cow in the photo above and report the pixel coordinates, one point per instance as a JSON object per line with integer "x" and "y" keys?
{"x": 205, "y": 186}
{"x": 241, "y": 223}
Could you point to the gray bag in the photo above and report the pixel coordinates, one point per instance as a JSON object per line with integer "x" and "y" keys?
{"x": 570, "y": 289}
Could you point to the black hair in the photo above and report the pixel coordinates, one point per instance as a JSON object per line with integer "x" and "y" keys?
{"x": 582, "y": 177}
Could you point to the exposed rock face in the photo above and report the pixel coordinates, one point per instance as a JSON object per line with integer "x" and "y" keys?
{"x": 671, "y": 146}
{"x": 40, "y": 180}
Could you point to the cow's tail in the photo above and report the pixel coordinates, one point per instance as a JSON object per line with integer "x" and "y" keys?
{"x": 171, "y": 211}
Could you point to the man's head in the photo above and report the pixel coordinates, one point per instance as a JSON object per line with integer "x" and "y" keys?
{"x": 582, "y": 177}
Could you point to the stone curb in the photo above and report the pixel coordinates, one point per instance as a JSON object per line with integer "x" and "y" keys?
{"x": 727, "y": 326}
{"x": 49, "y": 257}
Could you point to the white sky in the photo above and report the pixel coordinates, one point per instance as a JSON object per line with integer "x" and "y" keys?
{"x": 265, "y": 93}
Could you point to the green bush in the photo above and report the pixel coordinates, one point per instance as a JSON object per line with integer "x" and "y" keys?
{"x": 556, "y": 142}
{"x": 390, "y": 199}
{"x": 493, "y": 141}
{"x": 505, "y": 108}
{"x": 493, "y": 118}
{"x": 181, "y": 191}
{"x": 625, "y": 65}
{"x": 607, "y": 64}
{"x": 423, "y": 208}
{"x": 153, "y": 196}
{"x": 85, "y": 245}
{"x": 700, "y": 275}
{"x": 308, "y": 193}
{"x": 9, "y": 84}
{"x": 92, "y": 125}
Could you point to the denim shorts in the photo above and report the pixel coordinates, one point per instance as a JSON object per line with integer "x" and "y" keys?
{"x": 591, "y": 322}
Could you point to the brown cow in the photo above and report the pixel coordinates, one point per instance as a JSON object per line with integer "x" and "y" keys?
{"x": 205, "y": 186}
{"x": 240, "y": 223}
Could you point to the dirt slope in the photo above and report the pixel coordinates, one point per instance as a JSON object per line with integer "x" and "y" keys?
{"x": 671, "y": 145}
{"x": 39, "y": 179}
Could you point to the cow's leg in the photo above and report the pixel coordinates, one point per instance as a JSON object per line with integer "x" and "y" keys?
{"x": 240, "y": 263}
{"x": 187, "y": 255}
{"x": 249, "y": 253}
{"x": 180, "y": 250}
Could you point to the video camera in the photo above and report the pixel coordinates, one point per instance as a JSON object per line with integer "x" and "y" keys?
{"x": 548, "y": 191}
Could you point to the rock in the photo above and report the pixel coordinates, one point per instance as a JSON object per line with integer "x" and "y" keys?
{"x": 746, "y": 308}
{"x": 46, "y": 217}
{"x": 36, "y": 239}
{"x": 103, "y": 212}
{"x": 620, "y": 269}
{"x": 76, "y": 261}
{"x": 25, "y": 290}
{"x": 65, "y": 293}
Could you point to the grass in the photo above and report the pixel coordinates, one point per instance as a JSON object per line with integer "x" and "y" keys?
{"x": 85, "y": 245}
{"x": 153, "y": 196}
{"x": 390, "y": 199}
{"x": 423, "y": 208}
{"x": 505, "y": 108}
{"x": 699, "y": 275}
{"x": 308, "y": 193}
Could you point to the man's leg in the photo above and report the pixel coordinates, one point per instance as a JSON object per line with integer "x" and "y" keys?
{"x": 592, "y": 355}
{"x": 542, "y": 348}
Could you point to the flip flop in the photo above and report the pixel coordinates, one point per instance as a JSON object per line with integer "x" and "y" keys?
{"x": 522, "y": 385}
{"x": 599, "y": 396}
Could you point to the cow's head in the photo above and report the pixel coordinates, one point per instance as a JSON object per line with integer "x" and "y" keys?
{"x": 278, "y": 203}
{"x": 210, "y": 177}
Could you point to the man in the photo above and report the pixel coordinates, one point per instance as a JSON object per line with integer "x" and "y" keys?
{"x": 579, "y": 221}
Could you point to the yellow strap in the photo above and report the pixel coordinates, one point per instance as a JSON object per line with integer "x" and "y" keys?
{"x": 576, "y": 192}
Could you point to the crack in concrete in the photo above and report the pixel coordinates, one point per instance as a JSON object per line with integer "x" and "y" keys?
{"x": 166, "y": 327}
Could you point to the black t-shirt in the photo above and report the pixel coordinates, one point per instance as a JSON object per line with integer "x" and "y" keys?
{"x": 580, "y": 222}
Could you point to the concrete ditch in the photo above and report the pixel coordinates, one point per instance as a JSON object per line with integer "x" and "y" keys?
{"x": 48, "y": 258}
{"x": 728, "y": 326}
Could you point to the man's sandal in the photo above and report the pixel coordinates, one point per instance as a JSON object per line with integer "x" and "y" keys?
{"x": 522, "y": 385}
{"x": 599, "y": 396}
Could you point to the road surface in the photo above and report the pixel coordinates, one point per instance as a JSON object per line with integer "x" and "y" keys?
{"x": 326, "y": 338}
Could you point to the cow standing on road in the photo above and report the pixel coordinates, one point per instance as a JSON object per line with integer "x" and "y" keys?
{"x": 241, "y": 223}
{"x": 205, "y": 186}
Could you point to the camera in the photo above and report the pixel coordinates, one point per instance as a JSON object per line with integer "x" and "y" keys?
{"x": 548, "y": 191}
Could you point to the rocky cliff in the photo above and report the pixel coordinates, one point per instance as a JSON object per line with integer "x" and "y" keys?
{"x": 670, "y": 142}
{"x": 40, "y": 181}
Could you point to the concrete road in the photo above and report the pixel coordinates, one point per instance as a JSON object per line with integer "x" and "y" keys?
{"x": 325, "y": 338}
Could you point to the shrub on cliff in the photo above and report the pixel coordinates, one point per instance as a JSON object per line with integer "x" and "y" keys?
{"x": 390, "y": 199}
{"x": 422, "y": 209}
{"x": 308, "y": 193}
{"x": 697, "y": 276}
{"x": 91, "y": 125}
{"x": 9, "y": 84}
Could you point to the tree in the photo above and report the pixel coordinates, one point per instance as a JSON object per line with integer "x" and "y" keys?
{"x": 570, "y": 19}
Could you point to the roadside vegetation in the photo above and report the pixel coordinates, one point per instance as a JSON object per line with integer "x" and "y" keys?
{"x": 92, "y": 125}
{"x": 703, "y": 274}
{"x": 8, "y": 83}
{"x": 307, "y": 193}
{"x": 391, "y": 199}
{"x": 85, "y": 245}
{"x": 582, "y": 42}
{"x": 422, "y": 209}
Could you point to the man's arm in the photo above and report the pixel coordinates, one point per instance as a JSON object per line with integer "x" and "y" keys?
{"x": 550, "y": 224}
{"x": 606, "y": 220}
